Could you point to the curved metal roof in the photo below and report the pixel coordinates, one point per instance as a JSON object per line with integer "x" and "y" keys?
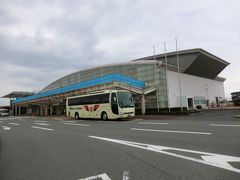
{"x": 197, "y": 62}
{"x": 102, "y": 66}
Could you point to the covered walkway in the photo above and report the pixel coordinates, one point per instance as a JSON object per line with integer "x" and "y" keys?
{"x": 54, "y": 101}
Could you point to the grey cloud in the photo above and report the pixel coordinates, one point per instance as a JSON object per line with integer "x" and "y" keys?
{"x": 5, "y": 17}
{"x": 74, "y": 42}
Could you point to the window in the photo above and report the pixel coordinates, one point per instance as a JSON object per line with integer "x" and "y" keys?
{"x": 125, "y": 100}
{"x": 94, "y": 99}
{"x": 199, "y": 100}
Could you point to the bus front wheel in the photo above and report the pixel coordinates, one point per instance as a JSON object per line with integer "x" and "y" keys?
{"x": 104, "y": 116}
{"x": 76, "y": 115}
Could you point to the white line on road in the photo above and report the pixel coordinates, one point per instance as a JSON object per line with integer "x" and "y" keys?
{"x": 103, "y": 176}
{"x": 225, "y": 125}
{"x": 74, "y": 124}
{"x": 14, "y": 124}
{"x": 154, "y": 123}
{"x": 36, "y": 127}
{"x": 212, "y": 159}
{"x": 6, "y": 128}
{"x": 42, "y": 124}
{"x": 125, "y": 175}
{"x": 40, "y": 121}
{"x": 170, "y": 131}
{"x": 14, "y": 118}
{"x": 9, "y": 118}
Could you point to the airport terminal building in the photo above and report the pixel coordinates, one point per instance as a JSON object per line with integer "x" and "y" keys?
{"x": 156, "y": 82}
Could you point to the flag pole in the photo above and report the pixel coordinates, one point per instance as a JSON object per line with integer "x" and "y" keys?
{"x": 179, "y": 80}
{"x": 166, "y": 68}
{"x": 155, "y": 69}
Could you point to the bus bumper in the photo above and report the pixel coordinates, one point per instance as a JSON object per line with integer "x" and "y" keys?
{"x": 128, "y": 115}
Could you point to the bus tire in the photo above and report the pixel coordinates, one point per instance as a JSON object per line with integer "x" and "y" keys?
{"x": 76, "y": 115}
{"x": 104, "y": 116}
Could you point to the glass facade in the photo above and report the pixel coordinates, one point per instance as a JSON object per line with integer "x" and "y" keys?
{"x": 152, "y": 74}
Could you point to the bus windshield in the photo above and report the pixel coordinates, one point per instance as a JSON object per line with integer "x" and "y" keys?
{"x": 125, "y": 99}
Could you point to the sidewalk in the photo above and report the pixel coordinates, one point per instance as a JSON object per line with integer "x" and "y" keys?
{"x": 225, "y": 108}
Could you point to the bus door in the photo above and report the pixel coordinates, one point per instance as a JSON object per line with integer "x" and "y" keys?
{"x": 114, "y": 104}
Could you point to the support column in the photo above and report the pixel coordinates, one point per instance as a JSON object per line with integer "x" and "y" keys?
{"x": 38, "y": 110}
{"x": 143, "y": 107}
{"x": 41, "y": 110}
{"x": 51, "y": 110}
{"x": 58, "y": 110}
{"x": 45, "y": 110}
{"x": 11, "y": 107}
{"x": 15, "y": 113}
{"x": 19, "y": 110}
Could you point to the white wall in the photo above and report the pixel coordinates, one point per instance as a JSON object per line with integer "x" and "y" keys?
{"x": 192, "y": 86}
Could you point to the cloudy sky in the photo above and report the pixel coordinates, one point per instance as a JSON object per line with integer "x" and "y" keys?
{"x": 43, "y": 40}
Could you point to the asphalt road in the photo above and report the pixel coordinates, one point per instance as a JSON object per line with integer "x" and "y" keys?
{"x": 204, "y": 146}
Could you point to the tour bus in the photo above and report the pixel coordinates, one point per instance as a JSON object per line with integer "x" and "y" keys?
{"x": 107, "y": 104}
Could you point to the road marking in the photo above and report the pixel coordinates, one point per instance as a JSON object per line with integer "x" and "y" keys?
{"x": 152, "y": 123}
{"x": 8, "y": 118}
{"x": 14, "y": 124}
{"x": 39, "y": 121}
{"x": 125, "y": 175}
{"x": 18, "y": 117}
{"x": 6, "y": 128}
{"x": 225, "y": 125}
{"x": 170, "y": 131}
{"x": 15, "y": 118}
{"x": 212, "y": 159}
{"x": 103, "y": 176}
{"x": 74, "y": 124}
{"x": 42, "y": 124}
{"x": 36, "y": 127}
